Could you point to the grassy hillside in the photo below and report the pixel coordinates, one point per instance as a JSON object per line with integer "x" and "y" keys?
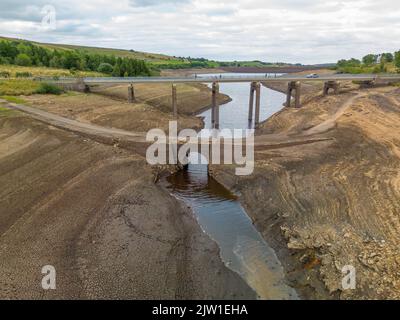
{"x": 151, "y": 57}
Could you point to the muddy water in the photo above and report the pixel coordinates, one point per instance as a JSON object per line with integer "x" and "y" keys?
{"x": 219, "y": 212}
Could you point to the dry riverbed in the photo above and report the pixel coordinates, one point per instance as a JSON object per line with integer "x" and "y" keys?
{"x": 93, "y": 211}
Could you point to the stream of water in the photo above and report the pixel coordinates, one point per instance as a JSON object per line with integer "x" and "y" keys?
{"x": 219, "y": 212}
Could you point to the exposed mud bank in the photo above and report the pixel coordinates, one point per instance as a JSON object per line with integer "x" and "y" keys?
{"x": 332, "y": 203}
{"x": 93, "y": 211}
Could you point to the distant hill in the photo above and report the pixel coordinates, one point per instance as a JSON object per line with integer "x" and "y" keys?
{"x": 155, "y": 62}
{"x": 150, "y": 57}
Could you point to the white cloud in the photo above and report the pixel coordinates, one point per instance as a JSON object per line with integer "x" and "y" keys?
{"x": 307, "y": 31}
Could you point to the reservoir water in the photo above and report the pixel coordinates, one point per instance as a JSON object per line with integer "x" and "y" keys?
{"x": 219, "y": 212}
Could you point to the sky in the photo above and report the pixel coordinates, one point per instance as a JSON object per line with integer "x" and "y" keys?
{"x": 295, "y": 31}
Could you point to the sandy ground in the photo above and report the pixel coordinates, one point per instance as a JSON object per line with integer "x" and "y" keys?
{"x": 328, "y": 204}
{"x": 109, "y": 112}
{"x": 93, "y": 212}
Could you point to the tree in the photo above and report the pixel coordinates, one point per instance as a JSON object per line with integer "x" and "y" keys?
{"x": 23, "y": 59}
{"x": 387, "y": 57}
{"x": 397, "y": 59}
{"x": 370, "y": 59}
{"x": 117, "y": 70}
{"x": 105, "y": 68}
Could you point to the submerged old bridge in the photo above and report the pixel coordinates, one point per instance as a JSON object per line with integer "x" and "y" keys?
{"x": 293, "y": 87}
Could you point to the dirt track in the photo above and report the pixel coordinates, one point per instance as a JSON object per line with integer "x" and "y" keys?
{"x": 332, "y": 203}
{"x": 93, "y": 212}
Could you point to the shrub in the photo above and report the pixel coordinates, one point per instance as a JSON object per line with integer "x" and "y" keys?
{"x": 105, "y": 68}
{"x": 23, "y": 74}
{"x": 48, "y": 88}
{"x": 4, "y": 74}
{"x": 23, "y": 60}
{"x": 4, "y": 60}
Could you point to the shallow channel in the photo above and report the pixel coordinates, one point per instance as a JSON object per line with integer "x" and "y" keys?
{"x": 219, "y": 212}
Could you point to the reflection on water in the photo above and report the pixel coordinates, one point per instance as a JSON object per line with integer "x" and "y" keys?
{"x": 234, "y": 115}
{"x": 222, "y": 217}
{"x": 220, "y": 214}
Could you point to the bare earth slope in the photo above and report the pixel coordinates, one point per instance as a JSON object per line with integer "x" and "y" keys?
{"x": 332, "y": 203}
{"x": 94, "y": 213}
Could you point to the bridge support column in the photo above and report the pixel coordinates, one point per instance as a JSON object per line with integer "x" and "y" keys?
{"x": 251, "y": 101}
{"x": 82, "y": 86}
{"x": 335, "y": 85}
{"x": 131, "y": 94}
{"x": 174, "y": 101}
{"x": 215, "y": 106}
{"x": 258, "y": 104}
{"x": 296, "y": 86}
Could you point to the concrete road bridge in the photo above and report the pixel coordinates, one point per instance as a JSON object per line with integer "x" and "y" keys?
{"x": 331, "y": 82}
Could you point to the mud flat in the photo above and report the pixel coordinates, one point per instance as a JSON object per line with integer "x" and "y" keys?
{"x": 334, "y": 202}
{"x": 93, "y": 212}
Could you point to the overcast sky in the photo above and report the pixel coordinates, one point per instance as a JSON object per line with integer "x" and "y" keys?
{"x": 305, "y": 31}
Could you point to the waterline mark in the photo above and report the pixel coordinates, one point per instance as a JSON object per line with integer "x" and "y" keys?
{"x": 230, "y": 147}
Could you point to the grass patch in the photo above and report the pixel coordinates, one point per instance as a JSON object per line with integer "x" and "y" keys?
{"x": 47, "y": 88}
{"x": 13, "y": 99}
{"x": 14, "y": 87}
{"x": 14, "y": 70}
{"x": 17, "y": 87}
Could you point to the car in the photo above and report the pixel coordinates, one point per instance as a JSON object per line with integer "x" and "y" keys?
{"x": 312, "y": 76}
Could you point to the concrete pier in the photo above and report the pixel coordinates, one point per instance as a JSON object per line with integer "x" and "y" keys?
{"x": 174, "y": 101}
{"x": 258, "y": 104}
{"x": 251, "y": 101}
{"x": 335, "y": 85}
{"x": 296, "y": 86}
{"x": 215, "y": 106}
{"x": 131, "y": 94}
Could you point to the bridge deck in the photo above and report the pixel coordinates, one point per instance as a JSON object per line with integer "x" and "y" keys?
{"x": 227, "y": 79}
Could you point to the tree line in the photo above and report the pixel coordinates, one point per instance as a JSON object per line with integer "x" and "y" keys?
{"x": 374, "y": 63}
{"x": 25, "y": 53}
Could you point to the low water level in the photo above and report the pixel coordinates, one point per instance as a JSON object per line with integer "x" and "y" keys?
{"x": 234, "y": 115}
{"x": 220, "y": 214}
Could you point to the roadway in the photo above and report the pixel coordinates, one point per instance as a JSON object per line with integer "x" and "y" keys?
{"x": 228, "y": 78}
